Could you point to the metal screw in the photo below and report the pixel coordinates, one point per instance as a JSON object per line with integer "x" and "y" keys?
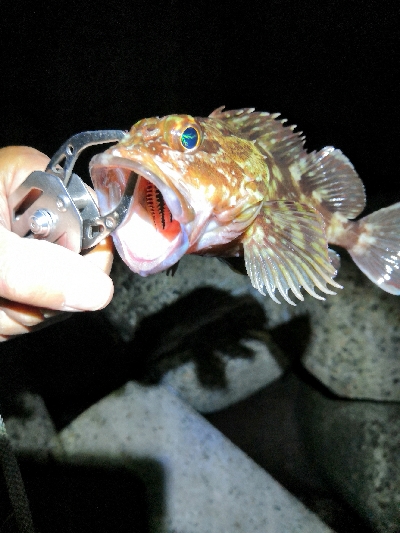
{"x": 41, "y": 223}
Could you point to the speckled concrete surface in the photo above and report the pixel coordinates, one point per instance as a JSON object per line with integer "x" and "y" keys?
{"x": 136, "y": 297}
{"x": 355, "y": 342}
{"x": 351, "y": 347}
{"x": 355, "y": 335}
{"x": 31, "y": 434}
{"x": 209, "y": 484}
{"x": 356, "y": 445}
{"x": 244, "y": 377}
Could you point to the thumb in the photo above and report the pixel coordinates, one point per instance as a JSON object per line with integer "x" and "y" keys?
{"x": 44, "y": 274}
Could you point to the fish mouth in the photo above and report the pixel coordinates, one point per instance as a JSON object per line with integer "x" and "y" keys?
{"x": 153, "y": 235}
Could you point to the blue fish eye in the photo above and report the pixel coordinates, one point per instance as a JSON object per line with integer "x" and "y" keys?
{"x": 190, "y": 138}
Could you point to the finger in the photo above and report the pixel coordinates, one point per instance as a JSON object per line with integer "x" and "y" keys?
{"x": 101, "y": 255}
{"x": 16, "y": 163}
{"x": 26, "y": 315}
{"x": 8, "y": 326}
{"x": 19, "y": 319}
{"x": 43, "y": 274}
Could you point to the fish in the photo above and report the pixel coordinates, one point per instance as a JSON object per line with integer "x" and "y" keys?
{"x": 241, "y": 183}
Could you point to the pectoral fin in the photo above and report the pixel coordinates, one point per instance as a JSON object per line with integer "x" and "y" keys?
{"x": 286, "y": 248}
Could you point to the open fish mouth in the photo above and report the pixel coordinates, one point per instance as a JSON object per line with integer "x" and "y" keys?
{"x": 153, "y": 235}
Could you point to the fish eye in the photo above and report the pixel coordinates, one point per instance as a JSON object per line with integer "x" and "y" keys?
{"x": 190, "y": 138}
{"x": 182, "y": 132}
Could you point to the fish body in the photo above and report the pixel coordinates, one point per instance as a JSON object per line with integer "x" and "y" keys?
{"x": 241, "y": 183}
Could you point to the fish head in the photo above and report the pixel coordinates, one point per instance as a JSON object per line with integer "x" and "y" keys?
{"x": 195, "y": 188}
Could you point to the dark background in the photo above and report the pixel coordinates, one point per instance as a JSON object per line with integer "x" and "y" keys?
{"x": 330, "y": 67}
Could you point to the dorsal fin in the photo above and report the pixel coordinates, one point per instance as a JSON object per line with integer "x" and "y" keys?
{"x": 326, "y": 175}
{"x": 331, "y": 179}
{"x": 269, "y": 134}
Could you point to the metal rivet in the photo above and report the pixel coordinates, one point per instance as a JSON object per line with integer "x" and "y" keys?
{"x": 41, "y": 223}
{"x": 109, "y": 222}
{"x": 62, "y": 203}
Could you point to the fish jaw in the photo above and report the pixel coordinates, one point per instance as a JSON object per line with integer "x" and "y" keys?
{"x": 146, "y": 244}
{"x": 144, "y": 250}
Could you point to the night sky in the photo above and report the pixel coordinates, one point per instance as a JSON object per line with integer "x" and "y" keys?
{"x": 331, "y": 67}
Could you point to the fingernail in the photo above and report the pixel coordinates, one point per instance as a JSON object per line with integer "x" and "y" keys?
{"x": 90, "y": 294}
{"x": 48, "y": 313}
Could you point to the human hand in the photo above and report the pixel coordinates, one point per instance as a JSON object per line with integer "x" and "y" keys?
{"x": 39, "y": 278}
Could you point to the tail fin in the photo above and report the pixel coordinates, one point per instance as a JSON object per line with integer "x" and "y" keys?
{"x": 377, "y": 251}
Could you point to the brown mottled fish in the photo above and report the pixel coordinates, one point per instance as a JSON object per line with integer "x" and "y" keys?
{"x": 241, "y": 183}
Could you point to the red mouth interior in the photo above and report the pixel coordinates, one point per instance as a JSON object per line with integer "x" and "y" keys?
{"x": 153, "y": 201}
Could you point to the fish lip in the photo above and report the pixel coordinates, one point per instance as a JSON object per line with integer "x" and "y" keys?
{"x": 171, "y": 196}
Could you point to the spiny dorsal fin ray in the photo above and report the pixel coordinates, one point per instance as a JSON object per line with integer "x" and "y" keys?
{"x": 268, "y": 133}
{"x": 286, "y": 248}
{"x": 329, "y": 178}
{"x": 377, "y": 250}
